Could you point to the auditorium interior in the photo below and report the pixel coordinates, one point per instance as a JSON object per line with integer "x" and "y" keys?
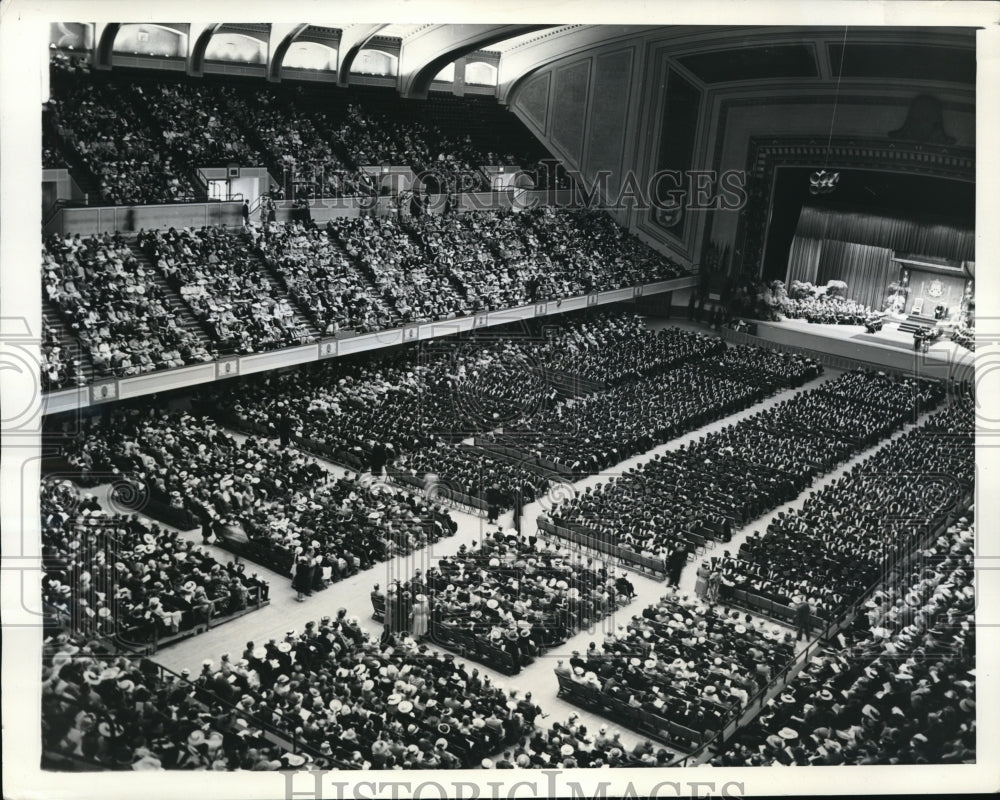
{"x": 429, "y": 396}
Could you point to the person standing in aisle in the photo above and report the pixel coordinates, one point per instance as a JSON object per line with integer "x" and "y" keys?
{"x": 302, "y": 582}
{"x": 419, "y": 617}
{"x": 803, "y": 617}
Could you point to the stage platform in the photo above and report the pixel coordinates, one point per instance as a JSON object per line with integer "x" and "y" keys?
{"x": 837, "y": 345}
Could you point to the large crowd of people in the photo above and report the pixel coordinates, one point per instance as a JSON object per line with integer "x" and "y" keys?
{"x": 513, "y": 593}
{"x": 365, "y": 414}
{"x": 838, "y": 544}
{"x": 897, "y": 688}
{"x": 616, "y": 349}
{"x": 685, "y": 661}
{"x": 225, "y": 287}
{"x": 738, "y": 473}
{"x": 547, "y": 401}
{"x": 368, "y": 418}
{"x": 102, "y": 709}
{"x": 115, "y": 141}
{"x": 144, "y": 140}
{"x": 272, "y": 503}
{"x": 419, "y": 288}
{"x": 195, "y": 124}
{"x": 348, "y": 701}
{"x": 831, "y": 310}
{"x": 500, "y": 483}
{"x": 403, "y": 401}
{"x": 360, "y": 274}
{"x": 323, "y": 278}
{"x": 118, "y": 577}
{"x": 603, "y": 429}
{"x": 111, "y": 306}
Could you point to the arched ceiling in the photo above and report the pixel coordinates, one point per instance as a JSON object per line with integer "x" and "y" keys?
{"x": 716, "y": 56}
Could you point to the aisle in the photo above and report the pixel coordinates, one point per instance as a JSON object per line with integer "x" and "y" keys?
{"x": 284, "y": 613}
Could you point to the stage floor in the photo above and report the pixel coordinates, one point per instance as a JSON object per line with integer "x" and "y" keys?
{"x": 889, "y": 347}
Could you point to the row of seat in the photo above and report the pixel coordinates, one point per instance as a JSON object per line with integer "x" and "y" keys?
{"x": 675, "y": 735}
{"x": 647, "y": 565}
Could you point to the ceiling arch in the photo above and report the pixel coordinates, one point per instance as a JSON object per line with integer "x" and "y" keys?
{"x": 286, "y": 35}
{"x": 352, "y": 39}
{"x": 106, "y": 45}
{"x": 198, "y": 45}
{"x": 720, "y": 58}
{"x": 424, "y": 54}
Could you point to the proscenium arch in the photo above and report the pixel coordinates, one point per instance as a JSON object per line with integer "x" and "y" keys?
{"x": 415, "y": 85}
{"x": 278, "y": 56}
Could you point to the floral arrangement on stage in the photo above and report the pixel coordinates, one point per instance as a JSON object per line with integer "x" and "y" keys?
{"x": 836, "y": 288}
{"x": 895, "y": 300}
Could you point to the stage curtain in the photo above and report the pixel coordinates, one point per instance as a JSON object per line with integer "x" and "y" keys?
{"x": 803, "y": 259}
{"x": 894, "y": 233}
{"x": 867, "y": 270}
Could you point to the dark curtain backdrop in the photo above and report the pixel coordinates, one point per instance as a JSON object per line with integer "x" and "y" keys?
{"x": 803, "y": 259}
{"x": 943, "y": 241}
{"x": 865, "y": 269}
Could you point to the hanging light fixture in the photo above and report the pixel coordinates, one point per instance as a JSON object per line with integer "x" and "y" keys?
{"x": 824, "y": 181}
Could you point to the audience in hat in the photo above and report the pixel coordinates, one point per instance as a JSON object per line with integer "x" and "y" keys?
{"x": 833, "y": 548}
{"x": 513, "y": 593}
{"x": 475, "y": 473}
{"x": 685, "y": 662}
{"x": 898, "y": 687}
{"x": 325, "y": 281}
{"x": 279, "y": 504}
{"x": 117, "y": 712}
{"x": 225, "y": 287}
{"x": 736, "y": 474}
{"x": 417, "y": 287}
{"x": 117, "y": 575}
{"x": 113, "y": 307}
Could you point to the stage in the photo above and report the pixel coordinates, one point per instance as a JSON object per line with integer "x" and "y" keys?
{"x": 889, "y": 348}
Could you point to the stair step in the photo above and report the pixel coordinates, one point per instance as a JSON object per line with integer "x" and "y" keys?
{"x": 70, "y": 343}
{"x": 279, "y": 291}
{"x": 182, "y": 312}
